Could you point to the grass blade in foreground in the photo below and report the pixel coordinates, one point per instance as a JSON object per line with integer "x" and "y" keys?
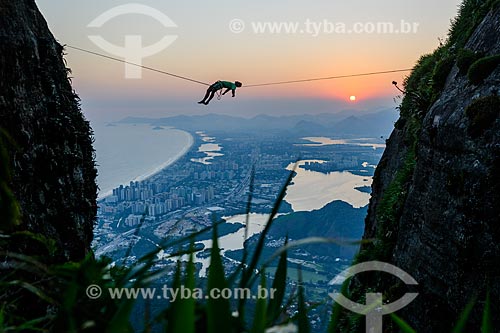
{"x": 218, "y": 309}
{"x": 182, "y": 318}
{"x": 259, "y": 320}
{"x": 464, "y": 316}
{"x": 260, "y": 244}
{"x": 303, "y": 321}
{"x": 247, "y": 214}
{"x": 279, "y": 284}
{"x": 486, "y": 326}
{"x": 403, "y": 325}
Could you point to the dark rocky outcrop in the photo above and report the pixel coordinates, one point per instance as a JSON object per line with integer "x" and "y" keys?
{"x": 449, "y": 232}
{"x": 435, "y": 205}
{"x": 53, "y": 163}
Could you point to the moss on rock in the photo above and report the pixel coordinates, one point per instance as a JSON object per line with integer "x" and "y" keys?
{"x": 482, "y": 68}
{"x": 481, "y": 114}
{"x": 465, "y": 58}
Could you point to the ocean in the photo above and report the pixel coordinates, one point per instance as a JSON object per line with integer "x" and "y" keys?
{"x": 127, "y": 152}
{"x": 133, "y": 152}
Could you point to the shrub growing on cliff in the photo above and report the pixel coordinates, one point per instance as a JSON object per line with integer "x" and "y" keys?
{"x": 482, "y": 113}
{"x": 441, "y": 72}
{"x": 465, "y": 58}
{"x": 471, "y": 13}
{"x": 418, "y": 87}
{"x": 482, "y": 68}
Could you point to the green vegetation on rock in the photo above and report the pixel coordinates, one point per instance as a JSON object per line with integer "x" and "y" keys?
{"x": 422, "y": 88}
{"x": 482, "y": 68}
{"x": 482, "y": 113}
{"x": 465, "y": 58}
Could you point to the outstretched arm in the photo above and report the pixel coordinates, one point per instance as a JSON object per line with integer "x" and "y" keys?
{"x": 228, "y": 89}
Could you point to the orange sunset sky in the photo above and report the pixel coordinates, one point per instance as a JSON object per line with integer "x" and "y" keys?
{"x": 207, "y": 50}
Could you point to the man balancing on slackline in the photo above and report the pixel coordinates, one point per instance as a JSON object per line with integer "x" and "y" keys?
{"x": 219, "y": 85}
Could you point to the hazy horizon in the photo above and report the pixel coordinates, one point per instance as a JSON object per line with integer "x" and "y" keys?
{"x": 206, "y": 50}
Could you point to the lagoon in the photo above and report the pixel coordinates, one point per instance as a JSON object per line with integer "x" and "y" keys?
{"x": 313, "y": 190}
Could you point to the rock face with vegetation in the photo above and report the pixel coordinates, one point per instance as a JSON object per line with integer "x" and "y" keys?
{"x": 435, "y": 204}
{"x": 50, "y": 146}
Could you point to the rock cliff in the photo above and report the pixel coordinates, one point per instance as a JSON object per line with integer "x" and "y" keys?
{"x": 51, "y": 157}
{"x": 435, "y": 205}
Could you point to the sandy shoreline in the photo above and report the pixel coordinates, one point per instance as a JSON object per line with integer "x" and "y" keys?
{"x": 154, "y": 170}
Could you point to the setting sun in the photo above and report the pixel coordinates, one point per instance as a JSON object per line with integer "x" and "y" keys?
{"x": 352, "y": 98}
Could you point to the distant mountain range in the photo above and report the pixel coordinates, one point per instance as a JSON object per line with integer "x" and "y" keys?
{"x": 345, "y": 123}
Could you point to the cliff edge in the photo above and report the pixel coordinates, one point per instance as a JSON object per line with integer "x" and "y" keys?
{"x": 435, "y": 201}
{"x": 51, "y": 154}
